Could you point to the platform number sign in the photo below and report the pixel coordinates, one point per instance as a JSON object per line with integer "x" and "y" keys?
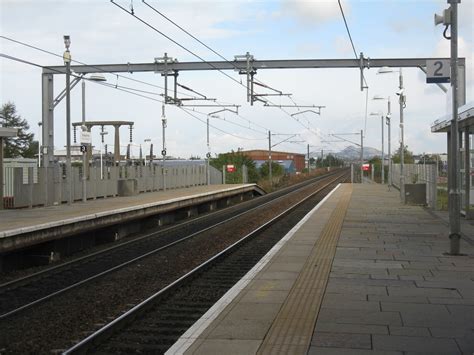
{"x": 438, "y": 71}
{"x": 83, "y": 148}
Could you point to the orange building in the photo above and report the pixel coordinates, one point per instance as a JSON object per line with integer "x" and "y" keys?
{"x": 298, "y": 159}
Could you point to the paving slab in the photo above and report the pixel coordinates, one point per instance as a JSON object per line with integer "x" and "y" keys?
{"x": 421, "y": 283}
{"x": 390, "y": 288}
{"x": 427, "y": 345}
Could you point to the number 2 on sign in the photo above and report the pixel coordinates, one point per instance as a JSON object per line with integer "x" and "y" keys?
{"x": 438, "y": 70}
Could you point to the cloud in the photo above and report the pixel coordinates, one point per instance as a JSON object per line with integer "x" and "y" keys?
{"x": 343, "y": 45}
{"x": 314, "y": 12}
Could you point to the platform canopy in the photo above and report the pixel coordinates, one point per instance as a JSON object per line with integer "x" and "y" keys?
{"x": 465, "y": 120}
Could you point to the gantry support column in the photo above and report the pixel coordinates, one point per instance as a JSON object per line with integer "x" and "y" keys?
{"x": 48, "y": 119}
{"x": 467, "y": 173}
{"x": 117, "y": 144}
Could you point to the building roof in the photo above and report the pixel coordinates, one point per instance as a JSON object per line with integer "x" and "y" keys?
{"x": 8, "y": 132}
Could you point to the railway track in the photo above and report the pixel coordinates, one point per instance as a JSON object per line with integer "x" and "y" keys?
{"x": 19, "y": 295}
{"x": 156, "y": 323}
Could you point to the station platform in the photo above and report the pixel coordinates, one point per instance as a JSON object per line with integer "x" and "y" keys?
{"x": 22, "y": 228}
{"x": 360, "y": 274}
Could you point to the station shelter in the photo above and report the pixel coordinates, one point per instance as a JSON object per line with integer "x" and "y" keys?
{"x": 466, "y": 153}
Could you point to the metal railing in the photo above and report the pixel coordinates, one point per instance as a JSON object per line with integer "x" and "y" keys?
{"x": 419, "y": 174}
{"x": 27, "y": 187}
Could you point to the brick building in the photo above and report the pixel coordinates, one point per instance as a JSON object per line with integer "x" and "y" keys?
{"x": 298, "y": 159}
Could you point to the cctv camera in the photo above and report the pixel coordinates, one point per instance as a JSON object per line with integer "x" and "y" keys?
{"x": 400, "y": 92}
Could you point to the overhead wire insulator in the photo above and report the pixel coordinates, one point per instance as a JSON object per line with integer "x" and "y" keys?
{"x": 131, "y": 133}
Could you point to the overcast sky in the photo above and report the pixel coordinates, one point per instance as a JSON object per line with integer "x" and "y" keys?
{"x": 286, "y": 29}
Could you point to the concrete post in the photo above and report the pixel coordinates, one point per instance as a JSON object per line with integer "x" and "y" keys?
{"x": 467, "y": 175}
{"x": 383, "y": 157}
{"x": 30, "y": 187}
{"x": 117, "y": 144}
{"x": 361, "y": 156}
{"x": 270, "y": 157}
{"x": 402, "y": 139}
{"x": 1, "y": 173}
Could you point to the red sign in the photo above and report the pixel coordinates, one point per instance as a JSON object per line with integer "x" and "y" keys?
{"x": 230, "y": 168}
{"x": 365, "y": 167}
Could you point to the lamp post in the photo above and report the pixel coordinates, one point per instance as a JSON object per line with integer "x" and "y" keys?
{"x": 388, "y": 123}
{"x": 88, "y": 152}
{"x": 270, "y": 146}
{"x": 163, "y": 151}
{"x": 450, "y": 19}
{"x": 67, "y": 63}
{"x": 102, "y": 134}
{"x": 402, "y": 103}
{"x": 380, "y": 114}
{"x": 147, "y": 140}
{"x": 39, "y": 143}
{"x": 208, "y": 154}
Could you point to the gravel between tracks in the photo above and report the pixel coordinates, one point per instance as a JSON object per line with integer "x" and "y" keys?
{"x": 57, "y": 323}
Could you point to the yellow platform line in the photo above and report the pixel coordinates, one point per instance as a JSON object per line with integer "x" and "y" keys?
{"x": 293, "y": 327}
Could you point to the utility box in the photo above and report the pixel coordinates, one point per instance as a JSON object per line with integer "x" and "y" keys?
{"x": 127, "y": 187}
{"x": 415, "y": 194}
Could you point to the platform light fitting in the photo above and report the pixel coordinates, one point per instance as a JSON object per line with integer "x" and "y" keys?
{"x": 67, "y": 41}
{"x": 97, "y": 77}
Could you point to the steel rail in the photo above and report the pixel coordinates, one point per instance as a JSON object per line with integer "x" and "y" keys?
{"x": 35, "y": 275}
{"x": 21, "y": 281}
{"x": 131, "y": 314}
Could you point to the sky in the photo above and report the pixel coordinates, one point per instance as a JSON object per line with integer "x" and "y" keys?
{"x": 101, "y": 33}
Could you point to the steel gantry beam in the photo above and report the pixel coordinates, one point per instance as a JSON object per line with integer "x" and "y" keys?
{"x": 242, "y": 65}
{"x": 238, "y": 65}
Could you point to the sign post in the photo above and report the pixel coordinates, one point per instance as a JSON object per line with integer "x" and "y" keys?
{"x": 85, "y": 141}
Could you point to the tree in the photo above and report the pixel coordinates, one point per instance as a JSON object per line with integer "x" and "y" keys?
{"x": 377, "y": 164}
{"x": 22, "y": 145}
{"x": 237, "y": 159}
{"x": 329, "y": 160}
{"x": 407, "y": 158}
{"x": 429, "y": 159}
{"x": 277, "y": 169}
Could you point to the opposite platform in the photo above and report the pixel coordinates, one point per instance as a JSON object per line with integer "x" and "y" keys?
{"x": 26, "y": 227}
{"x": 361, "y": 274}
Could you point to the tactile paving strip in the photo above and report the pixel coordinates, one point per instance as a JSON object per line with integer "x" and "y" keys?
{"x": 293, "y": 327}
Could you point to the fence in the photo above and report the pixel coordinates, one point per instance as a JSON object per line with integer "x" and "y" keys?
{"x": 419, "y": 174}
{"x": 356, "y": 173}
{"x": 48, "y": 186}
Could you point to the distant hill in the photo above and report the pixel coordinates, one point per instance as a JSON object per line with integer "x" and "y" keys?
{"x": 353, "y": 153}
